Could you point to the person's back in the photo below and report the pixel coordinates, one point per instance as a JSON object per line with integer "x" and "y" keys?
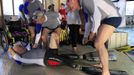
{"x": 34, "y": 6}
{"x": 73, "y": 17}
{"x": 103, "y": 5}
{"x": 52, "y": 19}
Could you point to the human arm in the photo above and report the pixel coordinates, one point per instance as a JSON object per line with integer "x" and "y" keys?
{"x": 86, "y": 33}
{"x": 28, "y": 61}
{"x": 96, "y": 23}
{"x": 96, "y": 20}
{"x": 59, "y": 18}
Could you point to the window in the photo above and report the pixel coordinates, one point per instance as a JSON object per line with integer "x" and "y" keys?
{"x": 16, "y": 6}
{"x": 11, "y": 8}
{"x": 41, "y": 1}
{"x": 7, "y": 7}
{"x": 130, "y": 8}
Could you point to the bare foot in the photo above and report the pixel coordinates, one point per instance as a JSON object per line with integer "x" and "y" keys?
{"x": 35, "y": 46}
{"x": 98, "y": 65}
{"x": 105, "y": 73}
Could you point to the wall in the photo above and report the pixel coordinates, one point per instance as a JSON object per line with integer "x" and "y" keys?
{"x": 0, "y": 16}
{"x": 0, "y": 10}
{"x": 63, "y": 1}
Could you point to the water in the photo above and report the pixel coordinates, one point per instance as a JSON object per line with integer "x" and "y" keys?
{"x": 130, "y": 31}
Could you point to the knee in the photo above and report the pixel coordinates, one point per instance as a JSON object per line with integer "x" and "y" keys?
{"x": 32, "y": 35}
{"x": 55, "y": 36}
{"x": 98, "y": 44}
{"x": 43, "y": 37}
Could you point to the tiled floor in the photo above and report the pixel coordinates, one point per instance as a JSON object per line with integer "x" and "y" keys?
{"x": 8, "y": 67}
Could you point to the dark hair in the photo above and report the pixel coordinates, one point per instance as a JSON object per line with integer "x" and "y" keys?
{"x": 62, "y": 4}
{"x": 51, "y": 6}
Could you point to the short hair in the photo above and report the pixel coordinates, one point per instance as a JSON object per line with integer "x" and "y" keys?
{"x": 51, "y": 6}
{"x": 62, "y": 4}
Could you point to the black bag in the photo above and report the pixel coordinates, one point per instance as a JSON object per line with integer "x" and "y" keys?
{"x": 14, "y": 25}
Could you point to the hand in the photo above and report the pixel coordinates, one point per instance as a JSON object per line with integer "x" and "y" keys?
{"x": 40, "y": 20}
{"x": 91, "y": 36}
{"x": 85, "y": 40}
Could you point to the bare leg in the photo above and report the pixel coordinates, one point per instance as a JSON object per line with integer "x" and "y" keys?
{"x": 53, "y": 42}
{"x": 104, "y": 33}
{"x": 44, "y": 37}
{"x": 57, "y": 35}
{"x": 32, "y": 33}
{"x": 55, "y": 39}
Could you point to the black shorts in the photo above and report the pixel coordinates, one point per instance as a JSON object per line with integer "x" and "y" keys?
{"x": 113, "y": 21}
{"x": 53, "y": 28}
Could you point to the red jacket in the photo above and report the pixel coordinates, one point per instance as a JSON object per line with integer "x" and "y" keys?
{"x": 63, "y": 14}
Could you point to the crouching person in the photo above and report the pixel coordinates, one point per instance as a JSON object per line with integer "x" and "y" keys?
{"x": 52, "y": 25}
